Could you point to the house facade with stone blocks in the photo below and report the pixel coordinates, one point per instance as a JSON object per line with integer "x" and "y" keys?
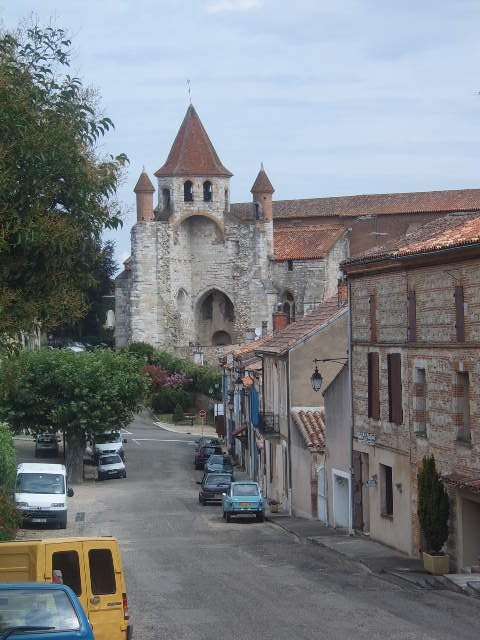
{"x": 415, "y": 308}
{"x": 204, "y": 271}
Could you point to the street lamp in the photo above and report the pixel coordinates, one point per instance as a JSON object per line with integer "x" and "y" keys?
{"x": 316, "y": 378}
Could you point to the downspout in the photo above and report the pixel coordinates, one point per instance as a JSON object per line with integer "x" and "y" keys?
{"x": 351, "y": 530}
{"x": 289, "y": 438}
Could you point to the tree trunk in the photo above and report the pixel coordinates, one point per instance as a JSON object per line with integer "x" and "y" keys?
{"x": 75, "y": 449}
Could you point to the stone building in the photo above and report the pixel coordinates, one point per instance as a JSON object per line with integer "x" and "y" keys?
{"x": 415, "y": 309}
{"x": 204, "y": 271}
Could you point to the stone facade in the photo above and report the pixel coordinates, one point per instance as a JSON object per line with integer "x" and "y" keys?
{"x": 410, "y": 308}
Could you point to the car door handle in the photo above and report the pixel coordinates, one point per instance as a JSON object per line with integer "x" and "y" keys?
{"x": 95, "y": 600}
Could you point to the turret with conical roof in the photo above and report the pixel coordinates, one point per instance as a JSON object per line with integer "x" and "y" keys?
{"x": 262, "y": 191}
{"x": 144, "y": 191}
{"x": 193, "y": 178}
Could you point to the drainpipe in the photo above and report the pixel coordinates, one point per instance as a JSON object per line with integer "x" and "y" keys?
{"x": 289, "y": 438}
{"x": 351, "y": 530}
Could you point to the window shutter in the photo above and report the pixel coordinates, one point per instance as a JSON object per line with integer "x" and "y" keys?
{"x": 373, "y": 318}
{"x": 459, "y": 314}
{"x": 373, "y": 386}
{"x": 395, "y": 388}
{"x": 412, "y": 316}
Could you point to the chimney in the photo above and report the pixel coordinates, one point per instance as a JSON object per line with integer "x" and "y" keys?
{"x": 279, "y": 320}
{"x": 144, "y": 191}
{"x": 249, "y": 335}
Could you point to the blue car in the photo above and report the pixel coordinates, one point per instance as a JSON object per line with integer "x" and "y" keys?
{"x": 243, "y": 498}
{"x": 42, "y": 611}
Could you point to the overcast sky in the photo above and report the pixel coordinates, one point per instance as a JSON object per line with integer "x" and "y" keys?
{"x": 336, "y": 97}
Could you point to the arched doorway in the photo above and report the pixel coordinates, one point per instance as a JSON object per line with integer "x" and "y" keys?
{"x": 215, "y": 318}
{"x": 288, "y": 305}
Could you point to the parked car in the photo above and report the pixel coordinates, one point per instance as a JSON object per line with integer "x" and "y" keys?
{"x": 204, "y": 440}
{"x": 46, "y": 444}
{"x": 39, "y": 611}
{"x": 77, "y": 347}
{"x": 243, "y": 498}
{"x": 108, "y": 442}
{"x": 203, "y": 454}
{"x": 220, "y": 463}
{"x": 111, "y": 466}
{"x": 213, "y": 486}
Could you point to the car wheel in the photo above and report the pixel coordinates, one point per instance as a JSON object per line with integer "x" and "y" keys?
{"x": 100, "y": 477}
{"x": 227, "y": 516}
{"x": 200, "y": 499}
{"x": 260, "y": 517}
{"x": 124, "y": 474}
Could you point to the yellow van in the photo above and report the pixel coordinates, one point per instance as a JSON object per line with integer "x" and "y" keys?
{"x": 92, "y": 567}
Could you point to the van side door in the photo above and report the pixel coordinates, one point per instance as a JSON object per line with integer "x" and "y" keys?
{"x": 64, "y": 562}
{"x": 105, "y": 589}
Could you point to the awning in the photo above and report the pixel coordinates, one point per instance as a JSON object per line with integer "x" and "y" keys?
{"x": 462, "y": 482}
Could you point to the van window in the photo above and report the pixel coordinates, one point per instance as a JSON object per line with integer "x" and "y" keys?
{"x": 102, "y": 574}
{"x": 40, "y": 483}
{"x": 67, "y": 562}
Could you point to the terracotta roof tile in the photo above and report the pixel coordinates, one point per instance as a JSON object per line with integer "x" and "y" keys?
{"x": 262, "y": 184}
{"x": 448, "y": 232}
{"x": 144, "y": 184}
{"x": 249, "y": 347}
{"x": 371, "y": 204}
{"x": 462, "y": 482}
{"x": 292, "y": 242}
{"x": 192, "y": 153}
{"x": 310, "y": 421}
{"x": 284, "y": 339}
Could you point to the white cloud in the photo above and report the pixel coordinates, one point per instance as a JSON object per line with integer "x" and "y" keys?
{"x": 233, "y": 5}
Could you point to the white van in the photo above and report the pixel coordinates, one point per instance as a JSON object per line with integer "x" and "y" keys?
{"x": 41, "y": 493}
{"x": 108, "y": 442}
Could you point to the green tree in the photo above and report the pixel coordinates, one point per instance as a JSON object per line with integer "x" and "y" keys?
{"x": 7, "y": 458}
{"x": 178, "y": 414}
{"x": 433, "y": 507}
{"x": 80, "y": 394}
{"x": 57, "y": 194}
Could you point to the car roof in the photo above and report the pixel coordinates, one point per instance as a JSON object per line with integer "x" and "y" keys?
{"x": 40, "y": 467}
{"x": 37, "y": 586}
{"x": 245, "y": 482}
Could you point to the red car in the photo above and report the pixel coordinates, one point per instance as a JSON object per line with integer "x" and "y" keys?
{"x": 203, "y": 454}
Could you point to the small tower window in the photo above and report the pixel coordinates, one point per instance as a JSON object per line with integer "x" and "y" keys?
{"x": 188, "y": 191}
{"x": 166, "y": 199}
{"x": 207, "y": 191}
{"x": 256, "y": 208}
{"x": 290, "y": 265}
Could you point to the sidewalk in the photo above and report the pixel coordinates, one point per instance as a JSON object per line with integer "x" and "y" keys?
{"x": 194, "y": 430}
{"x": 374, "y": 556}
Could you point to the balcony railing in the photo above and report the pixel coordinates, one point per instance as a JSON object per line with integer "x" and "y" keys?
{"x": 269, "y": 424}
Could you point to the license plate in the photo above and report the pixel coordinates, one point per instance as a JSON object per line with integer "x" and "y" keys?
{"x": 218, "y": 496}
{"x": 245, "y": 505}
{"x": 40, "y": 520}
{"x": 112, "y": 472}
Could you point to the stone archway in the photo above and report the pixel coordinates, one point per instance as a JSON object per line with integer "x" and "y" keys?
{"x": 215, "y": 318}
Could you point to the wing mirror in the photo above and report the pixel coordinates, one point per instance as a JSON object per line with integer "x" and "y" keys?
{"x": 70, "y": 492}
{"x": 124, "y": 441}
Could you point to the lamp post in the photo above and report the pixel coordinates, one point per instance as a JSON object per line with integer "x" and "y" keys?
{"x": 316, "y": 378}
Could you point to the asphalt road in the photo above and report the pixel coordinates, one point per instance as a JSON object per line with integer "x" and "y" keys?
{"x": 190, "y": 575}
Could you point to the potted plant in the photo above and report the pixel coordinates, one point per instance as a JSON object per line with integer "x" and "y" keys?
{"x": 273, "y": 505}
{"x": 433, "y": 511}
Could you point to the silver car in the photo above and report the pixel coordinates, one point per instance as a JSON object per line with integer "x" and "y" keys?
{"x": 111, "y": 466}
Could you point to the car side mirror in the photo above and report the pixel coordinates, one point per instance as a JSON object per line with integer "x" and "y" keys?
{"x": 124, "y": 441}
{"x": 70, "y": 492}
{"x": 198, "y": 482}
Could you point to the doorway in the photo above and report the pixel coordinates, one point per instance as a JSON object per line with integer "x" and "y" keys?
{"x": 341, "y": 499}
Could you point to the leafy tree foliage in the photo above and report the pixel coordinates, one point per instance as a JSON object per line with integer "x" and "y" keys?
{"x": 81, "y": 394}
{"x": 7, "y": 458}
{"x": 433, "y": 507}
{"x": 56, "y": 194}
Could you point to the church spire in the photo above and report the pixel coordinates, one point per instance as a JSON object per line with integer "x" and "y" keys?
{"x": 192, "y": 153}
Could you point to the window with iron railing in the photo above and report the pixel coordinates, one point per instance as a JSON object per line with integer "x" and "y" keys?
{"x": 269, "y": 422}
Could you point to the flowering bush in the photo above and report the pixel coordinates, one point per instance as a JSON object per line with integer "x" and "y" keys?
{"x": 160, "y": 378}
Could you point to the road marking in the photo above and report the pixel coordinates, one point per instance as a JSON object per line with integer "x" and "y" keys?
{"x": 128, "y": 433}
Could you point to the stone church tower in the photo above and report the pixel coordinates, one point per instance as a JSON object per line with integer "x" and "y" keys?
{"x": 197, "y": 273}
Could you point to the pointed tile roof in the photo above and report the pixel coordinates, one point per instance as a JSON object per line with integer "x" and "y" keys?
{"x": 310, "y": 421}
{"x": 192, "y": 153}
{"x": 144, "y": 184}
{"x": 262, "y": 184}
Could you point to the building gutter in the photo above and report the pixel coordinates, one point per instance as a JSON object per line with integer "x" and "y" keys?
{"x": 289, "y": 432}
{"x": 351, "y": 530}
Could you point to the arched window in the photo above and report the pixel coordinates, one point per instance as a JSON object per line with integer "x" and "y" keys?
{"x": 207, "y": 191}
{"x": 188, "y": 191}
{"x": 288, "y": 306}
{"x": 166, "y": 199}
{"x": 221, "y": 339}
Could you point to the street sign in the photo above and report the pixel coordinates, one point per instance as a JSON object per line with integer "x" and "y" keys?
{"x": 202, "y": 413}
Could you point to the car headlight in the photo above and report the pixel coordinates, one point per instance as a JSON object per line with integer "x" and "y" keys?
{"x": 58, "y": 504}
{"x": 22, "y": 505}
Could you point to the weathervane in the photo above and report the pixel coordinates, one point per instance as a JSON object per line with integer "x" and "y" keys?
{"x": 188, "y": 89}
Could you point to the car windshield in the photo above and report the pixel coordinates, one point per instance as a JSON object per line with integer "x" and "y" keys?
{"x": 215, "y": 460}
{"x": 114, "y": 459}
{"x": 245, "y": 490}
{"x": 227, "y": 460}
{"x": 217, "y": 480}
{"x": 40, "y": 483}
{"x": 208, "y": 451}
{"x": 104, "y": 438}
{"x": 20, "y": 607}
{"x": 47, "y": 438}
